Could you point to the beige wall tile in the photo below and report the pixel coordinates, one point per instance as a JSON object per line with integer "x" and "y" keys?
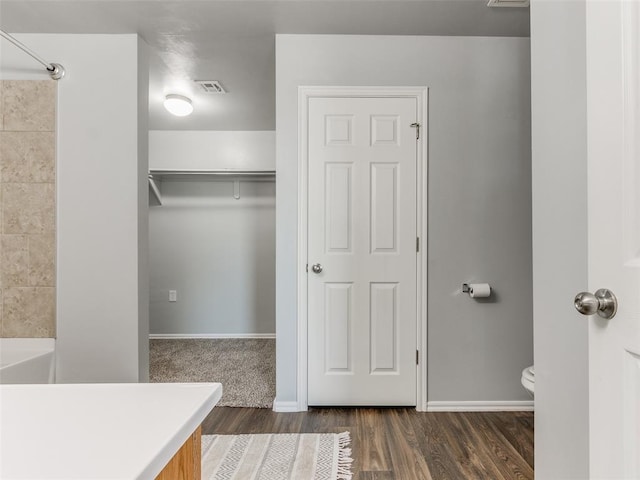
{"x": 27, "y": 157}
{"x": 1, "y": 211}
{"x": 29, "y": 105}
{"x": 28, "y": 208}
{"x": 28, "y": 312}
{"x": 15, "y": 261}
{"x": 42, "y": 265}
{"x": 1, "y": 105}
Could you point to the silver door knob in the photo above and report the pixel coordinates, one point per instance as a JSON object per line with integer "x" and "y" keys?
{"x": 316, "y": 268}
{"x": 603, "y": 302}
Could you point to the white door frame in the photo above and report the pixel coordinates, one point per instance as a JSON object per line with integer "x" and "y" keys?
{"x": 421, "y": 95}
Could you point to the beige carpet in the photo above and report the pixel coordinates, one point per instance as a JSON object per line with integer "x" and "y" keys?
{"x": 307, "y": 456}
{"x": 246, "y": 368}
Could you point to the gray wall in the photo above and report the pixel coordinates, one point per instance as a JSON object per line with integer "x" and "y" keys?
{"x": 479, "y": 197}
{"x": 211, "y": 150}
{"x": 559, "y": 134}
{"x": 218, "y": 253}
{"x": 143, "y": 210}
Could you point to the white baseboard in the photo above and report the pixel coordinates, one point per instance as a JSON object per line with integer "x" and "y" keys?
{"x": 175, "y": 336}
{"x": 287, "y": 407}
{"x": 488, "y": 406}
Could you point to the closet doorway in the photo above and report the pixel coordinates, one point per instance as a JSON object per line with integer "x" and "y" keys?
{"x": 212, "y": 281}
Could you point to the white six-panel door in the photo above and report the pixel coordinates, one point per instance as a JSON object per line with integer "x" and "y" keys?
{"x": 362, "y": 241}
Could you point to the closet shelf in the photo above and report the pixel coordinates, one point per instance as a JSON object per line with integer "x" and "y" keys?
{"x": 213, "y": 174}
{"x": 156, "y": 177}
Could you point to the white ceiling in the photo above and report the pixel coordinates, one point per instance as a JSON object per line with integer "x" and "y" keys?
{"x": 233, "y": 41}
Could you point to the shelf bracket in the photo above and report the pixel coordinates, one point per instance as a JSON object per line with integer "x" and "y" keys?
{"x": 155, "y": 189}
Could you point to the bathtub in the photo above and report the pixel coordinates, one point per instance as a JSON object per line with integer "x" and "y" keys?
{"x": 27, "y": 360}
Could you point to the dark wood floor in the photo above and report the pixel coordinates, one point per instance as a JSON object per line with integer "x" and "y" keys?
{"x": 402, "y": 444}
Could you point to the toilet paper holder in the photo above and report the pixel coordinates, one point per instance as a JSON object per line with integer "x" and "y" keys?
{"x": 484, "y": 290}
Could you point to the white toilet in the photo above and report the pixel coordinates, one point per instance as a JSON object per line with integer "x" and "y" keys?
{"x": 528, "y": 379}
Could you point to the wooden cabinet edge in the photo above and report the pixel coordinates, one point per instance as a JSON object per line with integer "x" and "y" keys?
{"x": 186, "y": 463}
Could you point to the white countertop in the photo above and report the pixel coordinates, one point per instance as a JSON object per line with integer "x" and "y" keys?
{"x": 98, "y": 431}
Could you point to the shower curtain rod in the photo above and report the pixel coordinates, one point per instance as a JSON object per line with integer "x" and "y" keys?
{"x": 56, "y": 71}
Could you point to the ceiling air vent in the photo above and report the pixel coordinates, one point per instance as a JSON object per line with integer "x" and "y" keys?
{"x": 211, "y": 86}
{"x": 508, "y": 3}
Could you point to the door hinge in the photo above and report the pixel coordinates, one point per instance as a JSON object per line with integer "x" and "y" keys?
{"x": 417, "y": 127}
{"x": 417, "y": 244}
{"x": 417, "y": 357}
{"x": 307, "y": 268}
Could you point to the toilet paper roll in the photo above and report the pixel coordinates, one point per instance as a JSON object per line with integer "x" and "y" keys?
{"x": 479, "y": 290}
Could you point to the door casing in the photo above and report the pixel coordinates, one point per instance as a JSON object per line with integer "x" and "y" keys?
{"x": 422, "y": 98}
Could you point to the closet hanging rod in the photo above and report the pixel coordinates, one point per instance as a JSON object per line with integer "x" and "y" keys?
{"x": 252, "y": 173}
{"x": 55, "y": 70}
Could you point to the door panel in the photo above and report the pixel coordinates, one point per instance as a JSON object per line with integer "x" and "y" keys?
{"x": 384, "y": 207}
{"x": 338, "y": 323}
{"x": 384, "y": 328}
{"x": 362, "y": 230}
{"x": 338, "y": 210}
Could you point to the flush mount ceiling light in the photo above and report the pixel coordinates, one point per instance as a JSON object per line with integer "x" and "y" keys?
{"x": 178, "y": 105}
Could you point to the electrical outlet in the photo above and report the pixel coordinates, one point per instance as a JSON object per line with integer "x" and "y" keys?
{"x": 173, "y": 295}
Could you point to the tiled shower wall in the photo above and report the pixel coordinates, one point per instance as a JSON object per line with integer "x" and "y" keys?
{"x": 27, "y": 208}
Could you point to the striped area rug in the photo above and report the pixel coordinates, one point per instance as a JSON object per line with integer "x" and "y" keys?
{"x": 306, "y": 456}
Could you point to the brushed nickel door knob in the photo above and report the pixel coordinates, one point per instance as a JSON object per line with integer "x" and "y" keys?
{"x": 603, "y": 302}
{"x": 316, "y": 268}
